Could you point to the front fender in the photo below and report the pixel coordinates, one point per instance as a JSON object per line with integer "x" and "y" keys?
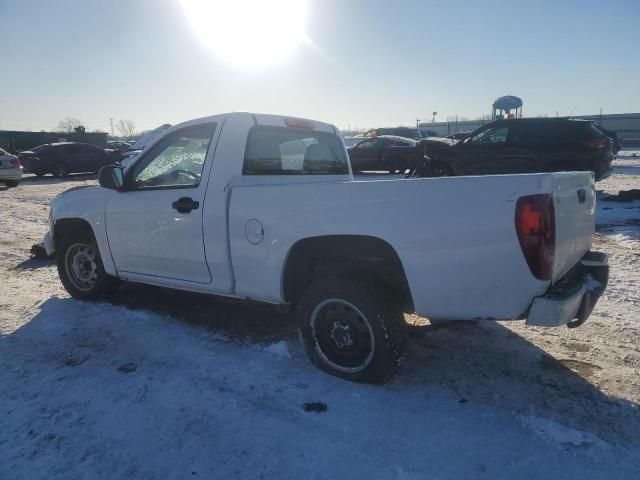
{"x": 88, "y": 205}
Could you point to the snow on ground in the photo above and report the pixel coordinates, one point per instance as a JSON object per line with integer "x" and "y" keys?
{"x": 165, "y": 384}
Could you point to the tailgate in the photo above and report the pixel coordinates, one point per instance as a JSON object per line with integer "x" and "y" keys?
{"x": 574, "y": 202}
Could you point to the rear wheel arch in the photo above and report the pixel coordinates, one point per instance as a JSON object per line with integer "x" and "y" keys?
{"x": 347, "y": 256}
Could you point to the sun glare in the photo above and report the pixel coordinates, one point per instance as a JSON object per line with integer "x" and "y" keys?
{"x": 249, "y": 33}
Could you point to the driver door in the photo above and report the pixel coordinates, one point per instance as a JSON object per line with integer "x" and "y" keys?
{"x": 154, "y": 226}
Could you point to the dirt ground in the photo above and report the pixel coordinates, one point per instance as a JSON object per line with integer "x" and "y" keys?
{"x": 586, "y": 378}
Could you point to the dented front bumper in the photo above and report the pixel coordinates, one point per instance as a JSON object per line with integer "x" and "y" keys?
{"x": 571, "y": 300}
{"x": 49, "y": 244}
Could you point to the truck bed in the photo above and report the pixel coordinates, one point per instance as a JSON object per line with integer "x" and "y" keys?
{"x": 455, "y": 236}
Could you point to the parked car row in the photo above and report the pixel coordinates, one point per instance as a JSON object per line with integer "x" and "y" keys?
{"x": 61, "y": 159}
{"x": 524, "y": 145}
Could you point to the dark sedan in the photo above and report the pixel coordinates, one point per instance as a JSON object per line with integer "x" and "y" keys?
{"x": 524, "y": 145}
{"x": 61, "y": 159}
{"x": 386, "y": 153}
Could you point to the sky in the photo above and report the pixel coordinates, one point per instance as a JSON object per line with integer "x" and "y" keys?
{"x": 360, "y": 63}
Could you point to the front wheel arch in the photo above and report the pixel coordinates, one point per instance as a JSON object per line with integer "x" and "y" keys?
{"x": 66, "y": 227}
{"x": 75, "y": 237}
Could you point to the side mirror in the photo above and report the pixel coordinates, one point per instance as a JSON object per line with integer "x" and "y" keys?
{"x": 111, "y": 177}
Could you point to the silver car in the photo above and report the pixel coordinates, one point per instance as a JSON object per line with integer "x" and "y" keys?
{"x": 10, "y": 169}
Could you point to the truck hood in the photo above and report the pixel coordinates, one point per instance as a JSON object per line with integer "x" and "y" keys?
{"x": 80, "y": 201}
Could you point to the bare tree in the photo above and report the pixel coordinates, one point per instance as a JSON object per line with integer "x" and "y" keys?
{"x": 68, "y": 125}
{"x": 126, "y": 128}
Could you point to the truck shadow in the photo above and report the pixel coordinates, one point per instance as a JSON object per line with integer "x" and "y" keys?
{"x": 239, "y": 320}
{"x": 483, "y": 364}
{"x": 34, "y": 263}
{"x": 488, "y": 363}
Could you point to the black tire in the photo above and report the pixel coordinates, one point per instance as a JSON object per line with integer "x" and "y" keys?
{"x": 60, "y": 171}
{"x": 12, "y": 183}
{"x": 80, "y": 268}
{"x": 351, "y": 330}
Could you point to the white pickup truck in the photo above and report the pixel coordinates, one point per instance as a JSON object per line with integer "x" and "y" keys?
{"x": 265, "y": 207}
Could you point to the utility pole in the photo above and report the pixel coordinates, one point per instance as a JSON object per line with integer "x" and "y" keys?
{"x": 433, "y": 119}
{"x": 111, "y": 122}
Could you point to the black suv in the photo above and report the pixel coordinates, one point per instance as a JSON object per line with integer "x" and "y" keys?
{"x": 524, "y": 145}
{"x": 61, "y": 159}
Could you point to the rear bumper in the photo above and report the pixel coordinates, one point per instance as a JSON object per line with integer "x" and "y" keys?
{"x": 571, "y": 300}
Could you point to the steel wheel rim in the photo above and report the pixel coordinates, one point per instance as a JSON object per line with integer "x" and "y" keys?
{"x": 82, "y": 266}
{"x": 342, "y": 335}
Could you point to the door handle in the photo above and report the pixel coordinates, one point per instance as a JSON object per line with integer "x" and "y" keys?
{"x": 185, "y": 204}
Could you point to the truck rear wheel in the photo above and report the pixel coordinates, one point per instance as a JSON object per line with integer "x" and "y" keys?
{"x": 80, "y": 268}
{"x": 349, "y": 330}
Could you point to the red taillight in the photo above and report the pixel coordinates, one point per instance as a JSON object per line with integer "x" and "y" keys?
{"x": 15, "y": 161}
{"x": 536, "y": 228}
{"x": 597, "y": 143}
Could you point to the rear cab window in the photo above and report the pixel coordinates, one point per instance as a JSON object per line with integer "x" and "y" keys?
{"x": 293, "y": 151}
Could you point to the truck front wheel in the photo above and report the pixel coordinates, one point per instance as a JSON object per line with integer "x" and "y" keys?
{"x": 349, "y": 330}
{"x": 80, "y": 268}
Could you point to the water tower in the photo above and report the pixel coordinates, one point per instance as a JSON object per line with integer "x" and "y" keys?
{"x": 508, "y": 106}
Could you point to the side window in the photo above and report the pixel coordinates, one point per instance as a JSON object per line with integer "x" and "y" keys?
{"x": 293, "y": 151}
{"x": 370, "y": 143}
{"x": 491, "y": 135}
{"x": 176, "y": 161}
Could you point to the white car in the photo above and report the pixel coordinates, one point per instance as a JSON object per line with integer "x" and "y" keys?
{"x": 10, "y": 169}
{"x": 265, "y": 207}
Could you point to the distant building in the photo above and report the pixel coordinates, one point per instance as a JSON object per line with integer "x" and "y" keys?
{"x": 15, "y": 141}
